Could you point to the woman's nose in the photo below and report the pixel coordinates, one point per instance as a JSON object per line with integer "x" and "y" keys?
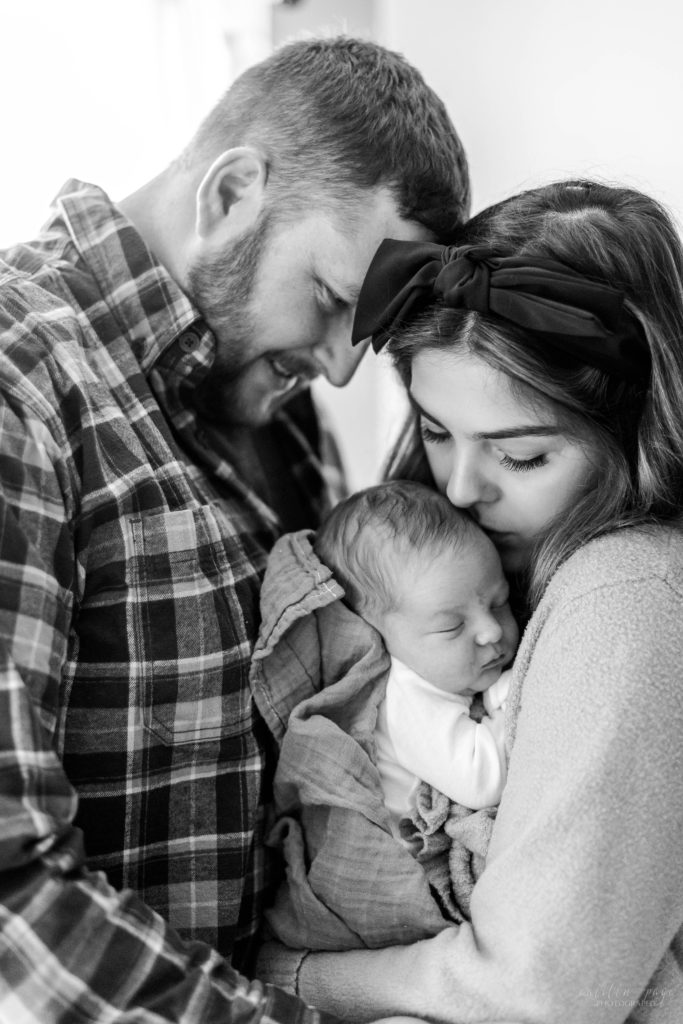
{"x": 466, "y": 485}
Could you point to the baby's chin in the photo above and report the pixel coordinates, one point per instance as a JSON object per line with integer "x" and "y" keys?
{"x": 478, "y": 687}
{"x": 483, "y": 682}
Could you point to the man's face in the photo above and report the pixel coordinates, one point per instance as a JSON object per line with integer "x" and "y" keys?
{"x": 281, "y": 299}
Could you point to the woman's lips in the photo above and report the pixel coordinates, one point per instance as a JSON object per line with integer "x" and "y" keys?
{"x": 498, "y": 536}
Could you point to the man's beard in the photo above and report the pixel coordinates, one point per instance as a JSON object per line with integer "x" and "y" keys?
{"x": 221, "y": 287}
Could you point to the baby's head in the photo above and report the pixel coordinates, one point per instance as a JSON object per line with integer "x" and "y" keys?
{"x": 427, "y": 578}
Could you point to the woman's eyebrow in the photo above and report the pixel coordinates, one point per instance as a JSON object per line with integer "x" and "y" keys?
{"x": 529, "y": 430}
{"x": 525, "y": 430}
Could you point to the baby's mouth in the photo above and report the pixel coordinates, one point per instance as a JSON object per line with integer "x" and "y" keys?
{"x": 495, "y": 662}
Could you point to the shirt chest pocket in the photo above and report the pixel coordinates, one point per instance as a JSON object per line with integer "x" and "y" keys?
{"x": 192, "y": 597}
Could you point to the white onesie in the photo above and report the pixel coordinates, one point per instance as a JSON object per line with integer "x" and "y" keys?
{"x": 424, "y": 733}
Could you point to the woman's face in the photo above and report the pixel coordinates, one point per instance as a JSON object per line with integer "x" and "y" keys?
{"x": 502, "y": 459}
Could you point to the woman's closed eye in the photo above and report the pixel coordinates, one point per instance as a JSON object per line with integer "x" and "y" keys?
{"x": 431, "y": 436}
{"x": 523, "y": 465}
{"x": 435, "y": 434}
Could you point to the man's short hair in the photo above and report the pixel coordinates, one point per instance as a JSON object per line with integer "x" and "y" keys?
{"x": 333, "y": 115}
{"x": 370, "y": 537}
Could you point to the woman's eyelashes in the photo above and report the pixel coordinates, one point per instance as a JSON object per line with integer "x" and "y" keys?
{"x": 431, "y": 436}
{"x": 523, "y": 465}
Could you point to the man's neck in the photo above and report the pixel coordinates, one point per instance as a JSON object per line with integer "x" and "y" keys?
{"x": 156, "y": 210}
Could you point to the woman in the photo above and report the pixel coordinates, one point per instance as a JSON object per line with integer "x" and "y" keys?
{"x": 543, "y": 357}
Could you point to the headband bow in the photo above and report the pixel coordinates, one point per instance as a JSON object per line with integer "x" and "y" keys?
{"x": 552, "y": 303}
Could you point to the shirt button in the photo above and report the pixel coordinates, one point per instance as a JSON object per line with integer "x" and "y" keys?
{"x": 189, "y": 341}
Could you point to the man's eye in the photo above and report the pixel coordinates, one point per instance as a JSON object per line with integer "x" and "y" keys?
{"x": 330, "y": 300}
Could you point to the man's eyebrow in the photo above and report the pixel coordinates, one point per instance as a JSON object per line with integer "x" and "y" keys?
{"x": 347, "y": 293}
{"x": 525, "y": 430}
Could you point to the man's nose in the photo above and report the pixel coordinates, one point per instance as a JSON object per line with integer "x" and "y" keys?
{"x": 335, "y": 355}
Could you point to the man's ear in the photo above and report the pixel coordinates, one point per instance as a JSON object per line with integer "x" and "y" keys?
{"x": 230, "y": 195}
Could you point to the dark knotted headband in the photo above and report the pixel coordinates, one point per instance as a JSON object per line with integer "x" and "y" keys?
{"x": 556, "y": 306}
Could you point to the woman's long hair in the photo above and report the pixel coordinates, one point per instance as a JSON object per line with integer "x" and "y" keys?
{"x": 627, "y": 240}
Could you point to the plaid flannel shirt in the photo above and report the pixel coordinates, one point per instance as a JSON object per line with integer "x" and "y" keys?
{"x": 131, "y": 551}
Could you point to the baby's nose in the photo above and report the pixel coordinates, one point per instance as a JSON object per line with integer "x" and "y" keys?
{"x": 489, "y": 631}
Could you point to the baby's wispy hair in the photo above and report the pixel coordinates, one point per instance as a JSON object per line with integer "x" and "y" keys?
{"x": 368, "y": 537}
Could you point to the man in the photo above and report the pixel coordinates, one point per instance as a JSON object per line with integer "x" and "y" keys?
{"x": 157, "y": 437}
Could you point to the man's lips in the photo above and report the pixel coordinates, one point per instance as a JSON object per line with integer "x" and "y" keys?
{"x": 290, "y": 372}
{"x": 288, "y": 366}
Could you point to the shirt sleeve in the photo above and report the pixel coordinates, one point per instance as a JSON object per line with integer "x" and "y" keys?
{"x": 582, "y": 896}
{"x": 71, "y": 947}
{"x": 438, "y": 742}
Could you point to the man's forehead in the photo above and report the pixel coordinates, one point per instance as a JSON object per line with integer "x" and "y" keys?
{"x": 345, "y": 245}
{"x": 376, "y": 210}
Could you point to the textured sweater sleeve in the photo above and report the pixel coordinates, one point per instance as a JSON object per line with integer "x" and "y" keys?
{"x": 582, "y": 897}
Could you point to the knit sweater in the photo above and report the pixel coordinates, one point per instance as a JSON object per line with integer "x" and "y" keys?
{"x": 578, "y": 915}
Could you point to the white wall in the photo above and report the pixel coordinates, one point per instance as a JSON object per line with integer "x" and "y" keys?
{"x": 544, "y": 89}
{"x": 109, "y": 90}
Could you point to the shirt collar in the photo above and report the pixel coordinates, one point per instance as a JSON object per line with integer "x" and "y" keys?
{"x": 149, "y": 306}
